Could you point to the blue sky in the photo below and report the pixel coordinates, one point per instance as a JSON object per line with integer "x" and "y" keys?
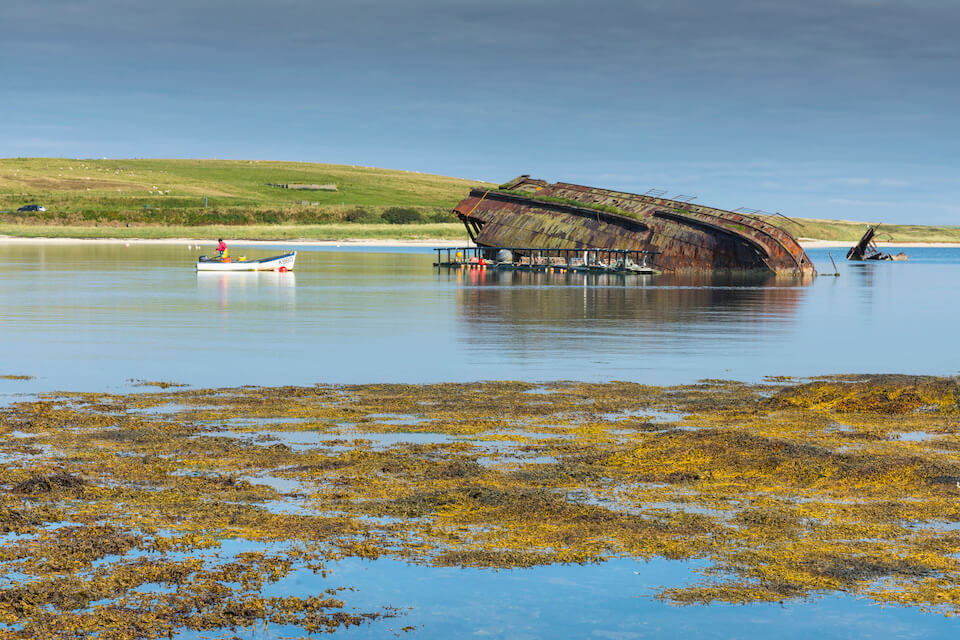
{"x": 840, "y": 108}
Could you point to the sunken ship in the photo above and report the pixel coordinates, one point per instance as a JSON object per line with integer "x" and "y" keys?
{"x": 676, "y": 236}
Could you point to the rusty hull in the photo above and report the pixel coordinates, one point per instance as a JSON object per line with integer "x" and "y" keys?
{"x": 866, "y": 249}
{"x": 684, "y": 237}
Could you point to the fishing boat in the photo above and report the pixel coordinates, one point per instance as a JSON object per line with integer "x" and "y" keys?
{"x": 274, "y": 263}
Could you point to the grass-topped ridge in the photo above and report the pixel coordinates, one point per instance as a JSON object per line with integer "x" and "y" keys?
{"x": 237, "y": 192}
{"x": 101, "y": 198}
{"x": 851, "y": 231}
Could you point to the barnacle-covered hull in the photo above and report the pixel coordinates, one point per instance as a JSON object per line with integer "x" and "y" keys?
{"x": 680, "y": 236}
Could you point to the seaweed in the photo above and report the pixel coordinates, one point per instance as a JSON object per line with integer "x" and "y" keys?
{"x": 783, "y": 491}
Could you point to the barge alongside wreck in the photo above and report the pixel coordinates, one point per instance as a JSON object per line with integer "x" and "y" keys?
{"x": 682, "y": 236}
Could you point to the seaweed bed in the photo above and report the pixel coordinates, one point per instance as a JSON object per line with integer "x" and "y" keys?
{"x": 117, "y": 511}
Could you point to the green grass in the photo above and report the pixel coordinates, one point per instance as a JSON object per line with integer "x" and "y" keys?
{"x": 570, "y": 201}
{"x": 341, "y": 231}
{"x": 849, "y": 231}
{"x": 172, "y": 192}
{"x": 164, "y": 199}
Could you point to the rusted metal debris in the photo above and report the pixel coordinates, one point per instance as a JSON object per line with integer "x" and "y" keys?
{"x": 866, "y": 249}
{"x": 685, "y": 237}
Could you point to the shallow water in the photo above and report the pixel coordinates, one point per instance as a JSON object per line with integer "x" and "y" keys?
{"x": 607, "y": 600}
{"x": 301, "y": 440}
{"x": 94, "y": 317}
{"x": 101, "y": 317}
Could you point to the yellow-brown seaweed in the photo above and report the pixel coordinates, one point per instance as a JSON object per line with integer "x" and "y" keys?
{"x": 846, "y": 484}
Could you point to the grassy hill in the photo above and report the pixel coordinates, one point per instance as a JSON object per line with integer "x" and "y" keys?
{"x": 172, "y": 192}
{"x": 165, "y": 198}
{"x": 850, "y": 231}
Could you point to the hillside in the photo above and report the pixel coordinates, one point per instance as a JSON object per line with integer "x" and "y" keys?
{"x": 165, "y": 198}
{"x": 850, "y": 231}
{"x": 172, "y": 192}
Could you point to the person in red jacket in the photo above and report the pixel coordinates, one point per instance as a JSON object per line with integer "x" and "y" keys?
{"x": 222, "y": 248}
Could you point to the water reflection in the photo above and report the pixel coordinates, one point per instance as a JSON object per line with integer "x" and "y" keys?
{"x": 544, "y": 307}
{"x": 222, "y": 284}
{"x": 369, "y": 316}
{"x": 866, "y": 275}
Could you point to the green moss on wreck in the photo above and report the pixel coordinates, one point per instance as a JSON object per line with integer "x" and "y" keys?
{"x": 571, "y": 202}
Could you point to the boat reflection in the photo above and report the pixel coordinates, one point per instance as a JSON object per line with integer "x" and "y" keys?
{"x": 240, "y": 285}
{"x": 534, "y": 307}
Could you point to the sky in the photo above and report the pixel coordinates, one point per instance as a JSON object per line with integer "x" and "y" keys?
{"x": 816, "y": 108}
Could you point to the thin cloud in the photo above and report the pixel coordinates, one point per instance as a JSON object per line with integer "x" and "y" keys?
{"x": 773, "y": 105}
{"x": 850, "y": 202}
{"x": 873, "y": 182}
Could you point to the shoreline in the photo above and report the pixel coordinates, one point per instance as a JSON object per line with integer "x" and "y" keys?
{"x": 360, "y": 242}
{"x": 838, "y": 244}
{"x": 375, "y": 242}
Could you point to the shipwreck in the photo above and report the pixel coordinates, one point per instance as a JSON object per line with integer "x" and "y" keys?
{"x": 677, "y": 236}
{"x": 867, "y": 249}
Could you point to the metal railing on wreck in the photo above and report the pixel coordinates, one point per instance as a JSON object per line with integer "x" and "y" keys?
{"x": 539, "y": 259}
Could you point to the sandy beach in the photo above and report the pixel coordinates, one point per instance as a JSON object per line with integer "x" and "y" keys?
{"x": 805, "y": 243}
{"x": 241, "y": 243}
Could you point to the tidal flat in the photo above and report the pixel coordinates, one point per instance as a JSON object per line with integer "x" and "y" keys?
{"x": 184, "y": 511}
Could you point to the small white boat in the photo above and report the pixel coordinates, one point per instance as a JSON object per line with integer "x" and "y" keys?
{"x": 275, "y": 263}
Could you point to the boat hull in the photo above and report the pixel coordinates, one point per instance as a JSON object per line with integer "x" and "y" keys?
{"x": 679, "y": 236}
{"x": 274, "y": 263}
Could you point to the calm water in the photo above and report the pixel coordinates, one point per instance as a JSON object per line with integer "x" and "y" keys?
{"x": 612, "y": 600}
{"x": 94, "y": 317}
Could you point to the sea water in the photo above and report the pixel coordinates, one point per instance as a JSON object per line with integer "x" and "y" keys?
{"x": 107, "y": 317}
{"x": 95, "y": 316}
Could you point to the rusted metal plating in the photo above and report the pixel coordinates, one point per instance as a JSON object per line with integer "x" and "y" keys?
{"x": 866, "y": 249}
{"x": 687, "y": 237}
